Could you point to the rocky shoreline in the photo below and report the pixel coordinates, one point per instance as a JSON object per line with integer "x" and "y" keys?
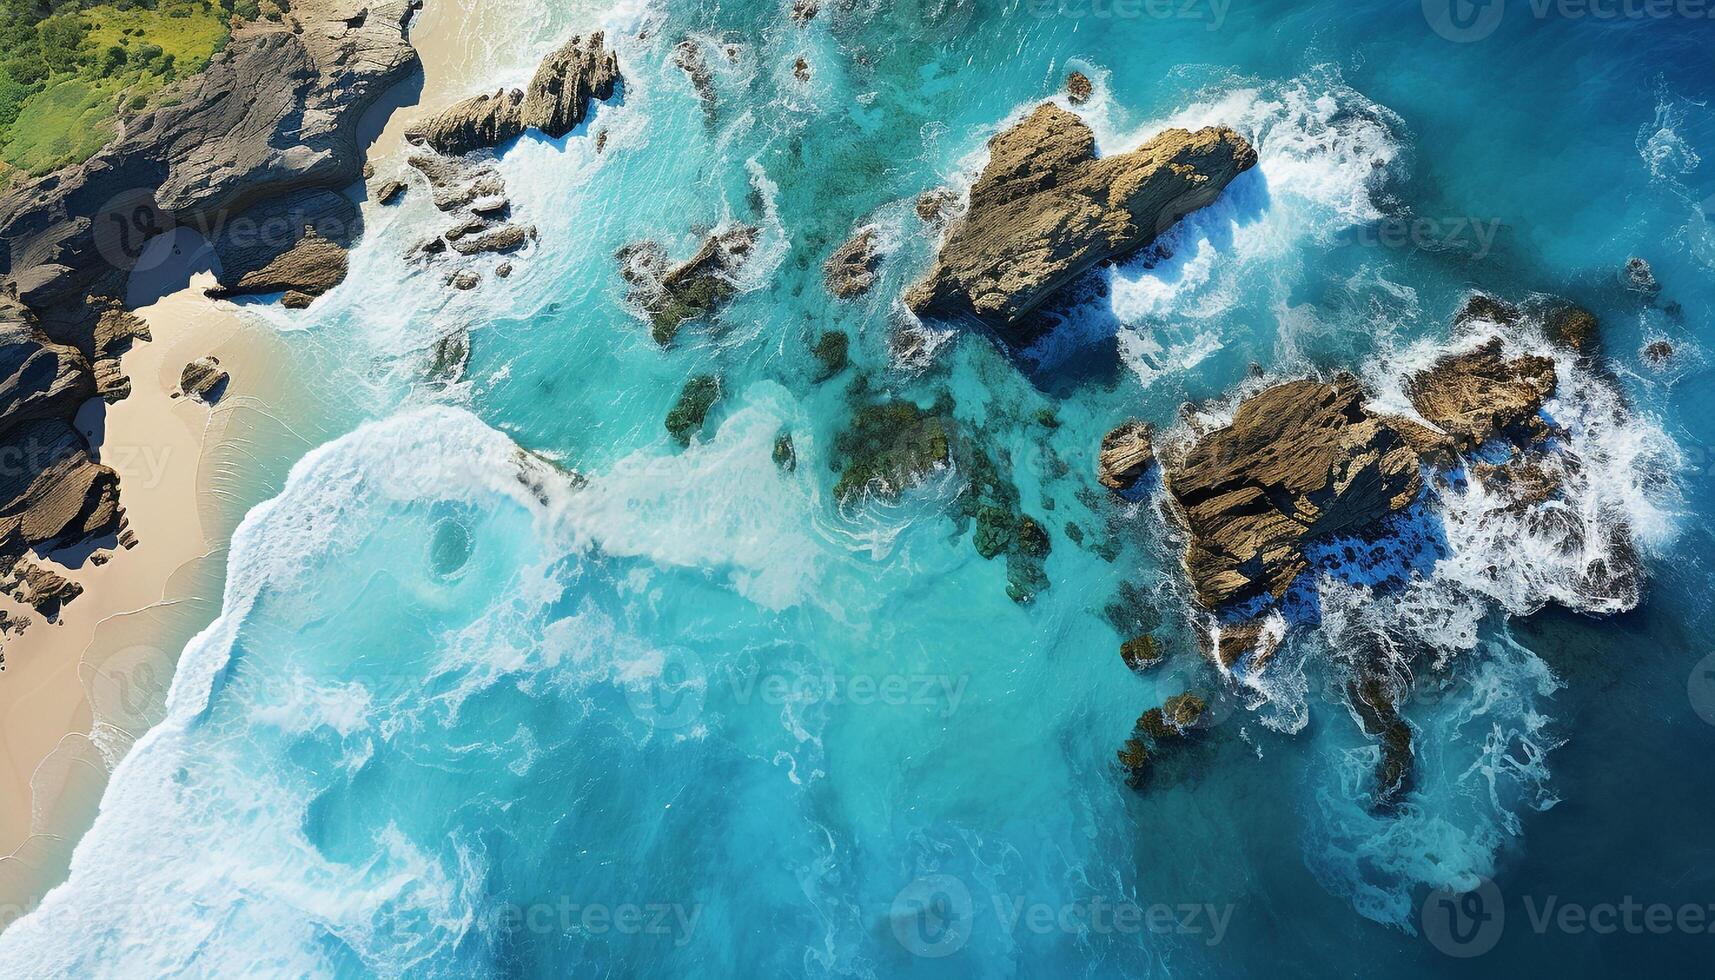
{"x": 1308, "y": 481}
{"x": 252, "y": 153}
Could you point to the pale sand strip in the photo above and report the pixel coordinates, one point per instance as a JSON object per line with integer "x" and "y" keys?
{"x": 116, "y": 645}
{"x": 188, "y": 476}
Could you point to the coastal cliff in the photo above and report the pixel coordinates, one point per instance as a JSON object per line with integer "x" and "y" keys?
{"x": 253, "y": 153}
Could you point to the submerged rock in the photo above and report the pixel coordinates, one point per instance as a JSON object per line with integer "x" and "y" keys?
{"x": 804, "y": 11}
{"x": 1640, "y": 278}
{"x": 1657, "y": 353}
{"x": 1140, "y": 653}
{"x": 692, "y": 407}
{"x": 1299, "y": 461}
{"x": 888, "y": 448}
{"x": 1374, "y": 705}
{"x": 851, "y": 270}
{"x": 785, "y": 453}
{"x": 695, "y": 289}
{"x": 205, "y": 380}
{"x": 1158, "y": 733}
{"x": 832, "y": 354}
{"x": 1046, "y": 209}
{"x": 1126, "y": 453}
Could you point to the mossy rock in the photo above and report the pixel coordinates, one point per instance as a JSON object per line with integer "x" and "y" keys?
{"x": 888, "y": 448}
{"x": 994, "y": 531}
{"x": 1141, "y": 653}
{"x": 833, "y": 353}
{"x": 1184, "y": 710}
{"x": 1032, "y": 538}
{"x": 695, "y": 299}
{"x": 692, "y": 408}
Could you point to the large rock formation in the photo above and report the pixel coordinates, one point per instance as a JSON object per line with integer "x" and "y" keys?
{"x": 1046, "y": 209}
{"x": 241, "y": 152}
{"x": 1299, "y": 461}
{"x": 555, "y": 102}
{"x": 275, "y": 112}
{"x": 1476, "y": 396}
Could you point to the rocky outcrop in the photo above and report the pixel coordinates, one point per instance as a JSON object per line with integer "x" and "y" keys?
{"x": 1159, "y": 734}
{"x": 204, "y": 380}
{"x": 1640, "y": 278}
{"x": 833, "y": 353}
{"x": 1078, "y": 88}
{"x": 555, "y": 102}
{"x": 692, "y": 407}
{"x": 1126, "y": 453}
{"x": 275, "y": 112}
{"x": 241, "y": 153}
{"x": 1374, "y": 705}
{"x": 311, "y": 267}
{"x": 1476, "y": 396}
{"x": 1300, "y": 460}
{"x": 671, "y": 295}
{"x": 851, "y": 270}
{"x": 1046, "y": 209}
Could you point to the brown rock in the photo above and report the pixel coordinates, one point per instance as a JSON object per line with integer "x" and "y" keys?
{"x": 390, "y": 192}
{"x": 313, "y": 266}
{"x": 1573, "y": 328}
{"x": 804, "y": 11}
{"x": 936, "y": 207}
{"x": 1476, "y": 396}
{"x": 204, "y": 380}
{"x": 555, "y": 102}
{"x": 692, "y": 290}
{"x": 851, "y": 271}
{"x": 1078, "y": 88}
{"x": 1140, "y": 653}
{"x": 1300, "y": 460}
{"x": 1046, "y": 209}
{"x": 1126, "y": 453}
{"x": 464, "y": 279}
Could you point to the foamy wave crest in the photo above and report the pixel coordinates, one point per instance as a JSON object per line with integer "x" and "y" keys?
{"x": 1618, "y": 497}
{"x": 202, "y": 860}
{"x": 1322, "y": 150}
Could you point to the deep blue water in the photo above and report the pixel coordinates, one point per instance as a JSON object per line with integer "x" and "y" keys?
{"x": 463, "y": 715}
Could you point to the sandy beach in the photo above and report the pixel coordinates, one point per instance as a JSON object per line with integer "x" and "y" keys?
{"x": 76, "y": 694}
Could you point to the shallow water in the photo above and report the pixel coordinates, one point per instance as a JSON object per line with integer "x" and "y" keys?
{"x": 465, "y": 715}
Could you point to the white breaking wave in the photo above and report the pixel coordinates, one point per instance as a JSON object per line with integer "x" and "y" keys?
{"x": 213, "y": 874}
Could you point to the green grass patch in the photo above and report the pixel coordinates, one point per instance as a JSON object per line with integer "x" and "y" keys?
{"x": 65, "y": 78}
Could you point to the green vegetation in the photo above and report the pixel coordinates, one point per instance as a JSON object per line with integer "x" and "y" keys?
{"x": 70, "y": 68}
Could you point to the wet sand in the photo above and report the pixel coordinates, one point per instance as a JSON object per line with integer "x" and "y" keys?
{"x": 76, "y": 694}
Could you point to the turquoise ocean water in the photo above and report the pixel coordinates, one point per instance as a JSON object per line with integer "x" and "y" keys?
{"x": 464, "y": 715}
